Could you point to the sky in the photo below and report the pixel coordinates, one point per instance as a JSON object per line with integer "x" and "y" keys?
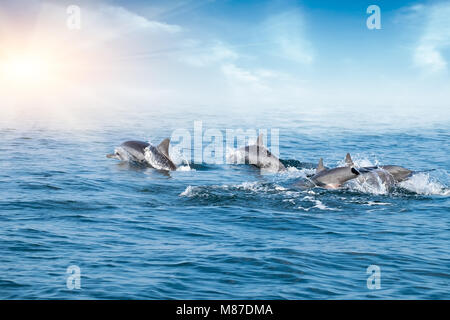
{"x": 235, "y": 54}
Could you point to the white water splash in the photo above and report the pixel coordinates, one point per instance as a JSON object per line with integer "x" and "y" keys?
{"x": 422, "y": 183}
{"x": 295, "y": 173}
{"x": 317, "y": 204}
{"x": 185, "y": 168}
{"x": 374, "y": 185}
{"x": 374, "y": 203}
{"x": 235, "y": 156}
{"x": 178, "y": 158}
{"x": 360, "y": 161}
{"x": 255, "y": 187}
{"x": 151, "y": 160}
{"x": 175, "y": 155}
{"x": 188, "y": 192}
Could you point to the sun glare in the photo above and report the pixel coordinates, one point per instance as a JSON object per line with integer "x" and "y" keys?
{"x": 27, "y": 69}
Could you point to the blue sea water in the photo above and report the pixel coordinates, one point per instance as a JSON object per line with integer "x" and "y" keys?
{"x": 220, "y": 231}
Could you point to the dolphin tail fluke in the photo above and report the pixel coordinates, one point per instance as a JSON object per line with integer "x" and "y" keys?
{"x": 320, "y": 166}
{"x": 163, "y": 147}
{"x": 348, "y": 160}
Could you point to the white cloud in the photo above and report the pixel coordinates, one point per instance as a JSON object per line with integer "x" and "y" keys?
{"x": 238, "y": 74}
{"x": 245, "y": 83}
{"x": 100, "y": 23}
{"x": 128, "y": 21}
{"x": 110, "y": 22}
{"x": 428, "y": 56}
{"x": 429, "y": 52}
{"x": 260, "y": 77}
{"x": 258, "y": 87}
{"x": 287, "y": 31}
{"x": 197, "y": 54}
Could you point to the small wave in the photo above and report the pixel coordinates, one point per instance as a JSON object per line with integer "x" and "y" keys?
{"x": 321, "y": 206}
{"x": 188, "y": 192}
{"x": 257, "y": 187}
{"x": 298, "y": 164}
{"x": 377, "y": 203}
{"x": 296, "y": 173}
{"x": 274, "y": 191}
{"x": 317, "y": 204}
{"x": 254, "y": 187}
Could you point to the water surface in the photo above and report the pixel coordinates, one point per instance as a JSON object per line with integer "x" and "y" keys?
{"x": 218, "y": 231}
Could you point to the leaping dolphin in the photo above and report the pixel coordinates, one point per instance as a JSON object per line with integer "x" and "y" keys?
{"x": 145, "y": 153}
{"x": 334, "y": 178}
{"x": 259, "y": 156}
{"x": 331, "y": 178}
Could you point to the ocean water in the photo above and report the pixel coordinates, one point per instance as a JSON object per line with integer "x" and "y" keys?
{"x": 222, "y": 231}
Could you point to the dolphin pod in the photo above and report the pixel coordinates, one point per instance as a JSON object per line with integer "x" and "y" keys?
{"x": 136, "y": 151}
{"x": 259, "y": 156}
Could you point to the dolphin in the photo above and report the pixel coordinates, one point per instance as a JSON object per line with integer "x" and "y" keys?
{"x": 398, "y": 173}
{"x": 259, "y": 156}
{"x": 375, "y": 176}
{"x": 331, "y": 178}
{"x": 130, "y": 151}
{"x": 145, "y": 153}
{"x": 388, "y": 175}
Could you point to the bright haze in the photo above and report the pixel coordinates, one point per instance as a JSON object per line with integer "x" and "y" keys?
{"x": 145, "y": 55}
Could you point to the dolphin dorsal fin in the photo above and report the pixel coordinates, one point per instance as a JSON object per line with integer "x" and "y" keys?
{"x": 164, "y": 147}
{"x": 259, "y": 141}
{"x": 320, "y": 166}
{"x": 348, "y": 160}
